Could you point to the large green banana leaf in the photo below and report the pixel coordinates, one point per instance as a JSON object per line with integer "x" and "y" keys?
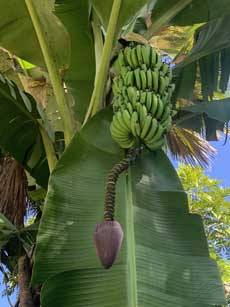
{"x": 199, "y": 11}
{"x": 19, "y": 130}
{"x": 164, "y": 259}
{"x": 79, "y": 78}
{"x": 185, "y": 12}
{"x": 127, "y": 11}
{"x": 212, "y": 37}
{"x": 216, "y": 109}
{"x": 206, "y": 117}
{"x": 18, "y": 36}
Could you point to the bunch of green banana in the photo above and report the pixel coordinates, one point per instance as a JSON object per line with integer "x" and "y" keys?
{"x": 142, "y": 92}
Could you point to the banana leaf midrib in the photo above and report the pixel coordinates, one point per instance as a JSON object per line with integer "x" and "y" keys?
{"x": 131, "y": 255}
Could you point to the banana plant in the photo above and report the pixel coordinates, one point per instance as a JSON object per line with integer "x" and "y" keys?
{"x": 164, "y": 259}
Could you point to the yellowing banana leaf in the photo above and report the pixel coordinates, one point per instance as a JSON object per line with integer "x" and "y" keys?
{"x": 19, "y": 130}
{"x": 164, "y": 260}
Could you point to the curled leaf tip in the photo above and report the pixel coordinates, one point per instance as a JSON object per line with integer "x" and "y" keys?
{"x": 108, "y": 237}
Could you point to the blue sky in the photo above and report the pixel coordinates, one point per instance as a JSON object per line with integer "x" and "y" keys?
{"x": 3, "y": 300}
{"x": 220, "y": 169}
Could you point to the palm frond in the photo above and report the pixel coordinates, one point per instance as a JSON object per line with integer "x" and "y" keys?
{"x": 189, "y": 147}
{"x": 13, "y": 191}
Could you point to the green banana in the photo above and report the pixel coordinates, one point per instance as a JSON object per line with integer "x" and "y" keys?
{"x": 164, "y": 69}
{"x": 115, "y": 88}
{"x": 149, "y": 78}
{"x": 158, "y": 133}
{"x": 123, "y": 72}
{"x": 130, "y": 108}
{"x": 127, "y": 54}
{"x": 160, "y": 108}
{"x": 165, "y": 97}
{"x": 143, "y": 97}
{"x": 126, "y": 117}
{"x": 124, "y": 91}
{"x": 134, "y": 119}
{"x": 158, "y": 62}
{"x": 154, "y": 104}
{"x": 152, "y": 130}
{"x": 155, "y": 80}
{"x": 132, "y": 93}
{"x": 171, "y": 89}
{"x": 167, "y": 123}
{"x": 137, "y": 107}
{"x": 120, "y": 83}
{"x": 142, "y": 115}
{"x": 148, "y": 55}
{"x": 170, "y": 74}
{"x": 118, "y": 133}
{"x": 162, "y": 85}
{"x": 129, "y": 80}
{"x": 144, "y": 67}
{"x": 126, "y": 142}
{"x": 153, "y": 57}
{"x": 124, "y": 121}
{"x": 134, "y": 57}
{"x": 166, "y": 113}
{"x": 149, "y": 101}
{"x": 146, "y": 126}
{"x": 137, "y": 78}
{"x": 138, "y": 94}
{"x": 139, "y": 55}
{"x": 120, "y": 59}
{"x": 155, "y": 145}
{"x": 119, "y": 101}
{"x": 143, "y": 79}
{"x": 166, "y": 80}
{"x": 145, "y": 55}
{"x": 116, "y": 129}
{"x": 122, "y": 107}
{"x": 130, "y": 144}
{"x": 138, "y": 129}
